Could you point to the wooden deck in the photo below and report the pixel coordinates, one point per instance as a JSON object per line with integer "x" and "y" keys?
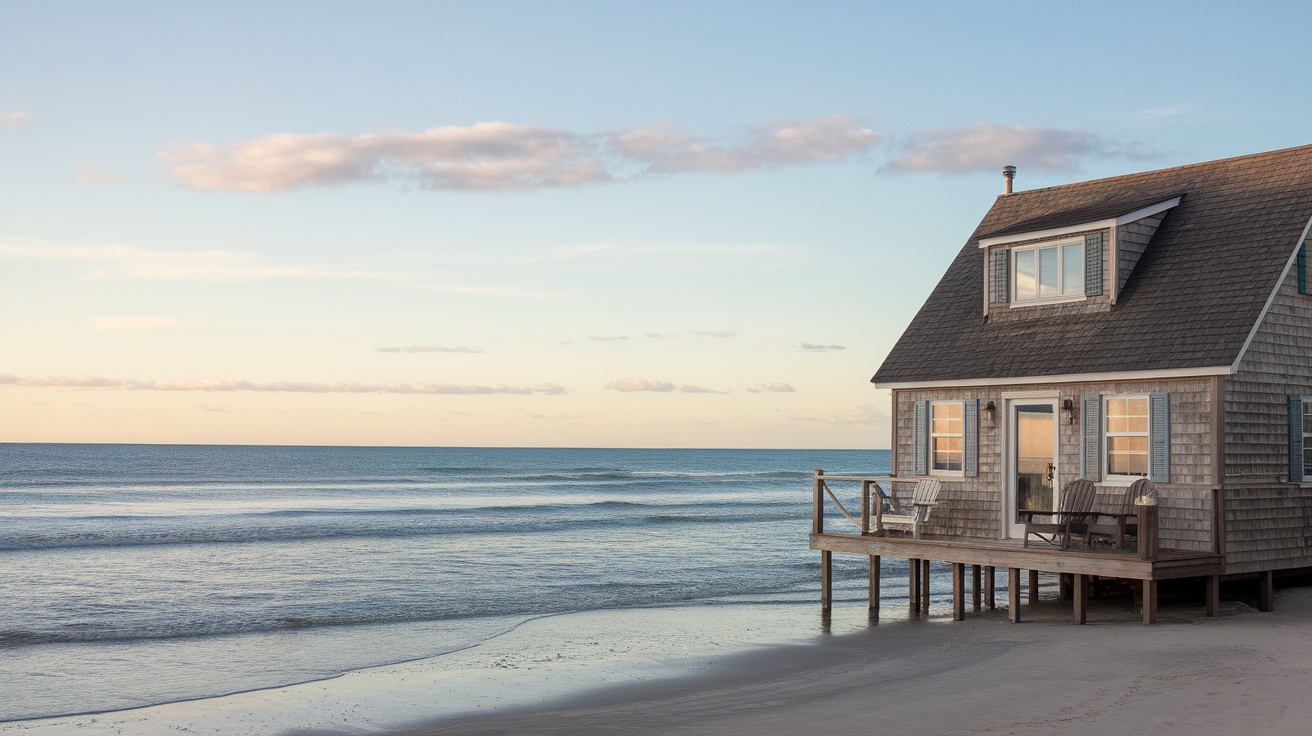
{"x": 1076, "y": 567}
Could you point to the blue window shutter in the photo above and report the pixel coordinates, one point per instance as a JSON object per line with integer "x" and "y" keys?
{"x": 1093, "y": 264}
{"x": 1296, "y": 439}
{"x": 1001, "y": 277}
{"x": 1159, "y": 441}
{"x": 922, "y": 438}
{"x": 970, "y": 438}
{"x": 1091, "y": 447}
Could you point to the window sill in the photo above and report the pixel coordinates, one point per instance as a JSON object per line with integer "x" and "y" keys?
{"x": 948, "y": 473}
{"x": 1120, "y": 480}
{"x": 1046, "y": 302}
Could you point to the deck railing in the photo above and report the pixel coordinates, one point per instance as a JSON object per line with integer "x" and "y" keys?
{"x": 877, "y": 492}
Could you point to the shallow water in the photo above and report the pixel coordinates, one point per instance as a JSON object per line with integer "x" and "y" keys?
{"x": 137, "y": 575}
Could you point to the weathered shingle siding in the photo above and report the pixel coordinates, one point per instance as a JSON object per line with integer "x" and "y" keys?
{"x": 1267, "y": 517}
{"x": 1131, "y": 241}
{"x": 972, "y": 507}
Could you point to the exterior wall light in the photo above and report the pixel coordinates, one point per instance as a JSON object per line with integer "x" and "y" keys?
{"x": 990, "y": 409}
{"x": 1068, "y": 411}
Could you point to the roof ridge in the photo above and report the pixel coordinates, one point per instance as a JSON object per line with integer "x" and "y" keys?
{"x": 1213, "y": 162}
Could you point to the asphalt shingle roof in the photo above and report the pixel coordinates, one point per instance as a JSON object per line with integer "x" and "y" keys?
{"x": 1190, "y": 302}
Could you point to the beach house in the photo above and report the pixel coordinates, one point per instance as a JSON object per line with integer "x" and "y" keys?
{"x": 1150, "y": 326}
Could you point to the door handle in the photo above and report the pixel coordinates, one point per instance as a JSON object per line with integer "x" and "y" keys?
{"x": 1051, "y": 470}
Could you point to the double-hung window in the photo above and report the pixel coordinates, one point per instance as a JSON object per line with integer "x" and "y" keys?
{"x": 1126, "y": 436}
{"x": 945, "y": 436}
{"x": 1048, "y": 271}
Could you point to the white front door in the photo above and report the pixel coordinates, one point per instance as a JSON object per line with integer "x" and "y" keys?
{"x": 1031, "y": 456}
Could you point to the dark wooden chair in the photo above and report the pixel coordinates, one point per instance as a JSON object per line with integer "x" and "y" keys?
{"x": 1124, "y": 519}
{"x": 1073, "y": 514}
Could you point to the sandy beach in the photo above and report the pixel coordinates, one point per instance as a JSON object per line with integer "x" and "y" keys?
{"x": 722, "y": 670}
{"x": 1243, "y": 672}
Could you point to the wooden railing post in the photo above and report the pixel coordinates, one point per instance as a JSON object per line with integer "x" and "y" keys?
{"x": 865, "y": 507}
{"x": 1147, "y": 513}
{"x": 818, "y": 510}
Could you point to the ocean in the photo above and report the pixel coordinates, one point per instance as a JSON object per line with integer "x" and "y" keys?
{"x": 135, "y": 575}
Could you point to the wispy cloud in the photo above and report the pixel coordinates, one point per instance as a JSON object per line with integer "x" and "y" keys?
{"x": 14, "y": 119}
{"x": 863, "y": 414}
{"x": 116, "y": 324}
{"x": 667, "y": 149}
{"x": 607, "y": 338}
{"x": 988, "y": 147}
{"x": 712, "y": 333}
{"x": 776, "y": 388}
{"x": 500, "y": 156}
{"x": 203, "y": 265}
{"x": 95, "y": 174}
{"x": 630, "y": 385}
{"x": 813, "y": 348}
{"x": 429, "y": 349}
{"x": 310, "y": 387}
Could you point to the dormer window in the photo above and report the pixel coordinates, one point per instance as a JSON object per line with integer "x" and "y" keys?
{"x": 1048, "y": 271}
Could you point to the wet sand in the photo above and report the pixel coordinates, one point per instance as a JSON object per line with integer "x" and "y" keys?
{"x": 1245, "y": 672}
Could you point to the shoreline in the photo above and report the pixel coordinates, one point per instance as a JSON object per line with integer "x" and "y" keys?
{"x": 771, "y": 668}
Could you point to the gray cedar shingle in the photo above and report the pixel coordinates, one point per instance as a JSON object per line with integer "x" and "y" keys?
{"x": 1190, "y": 301}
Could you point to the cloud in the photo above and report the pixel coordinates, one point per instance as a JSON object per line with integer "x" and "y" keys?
{"x": 305, "y": 387}
{"x": 603, "y": 338}
{"x": 14, "y": 119}
{"x": 864, "y": 414}
{"x": 204, "y": 265}
{"x": 500, "y": 156}
{"x": 629, "y": 385}
{"x": 819, "y": 348}
{"x": 777, "y": 387}
{"x": 429, "y": 349}
{"x": 115, "y": 324}
{"x": 665, "y": 149}
{"x": 710, "y": 333}
{"x": 488, "y": 156}
{"x": 989, "y": 147}
{"x": 95, "y": 174}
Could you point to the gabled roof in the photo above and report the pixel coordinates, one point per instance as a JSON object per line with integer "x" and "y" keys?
{"x": 1190, "y": 302}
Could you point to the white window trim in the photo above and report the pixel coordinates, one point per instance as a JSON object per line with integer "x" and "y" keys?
{"x": 1061, "y": 272}
{"x": 930, "y": 434}
{"x": 1109, "y": 478}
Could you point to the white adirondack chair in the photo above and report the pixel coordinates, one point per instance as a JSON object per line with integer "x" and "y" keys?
{"x": 923, "y": 500}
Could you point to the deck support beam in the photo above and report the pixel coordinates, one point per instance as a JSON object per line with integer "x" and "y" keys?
{"x": 974, "y": 587}
{"x": 990, "y": 581}
{"x": 1081, "y": 598}
{"x": 874, "y": 587}
{"x": 1013, "y": 594}
{"x": 1265, "y": 591}
{"x": 1034, "y": 587}
{"x": 1213, "y": 595}
{"x": 1150, "y": 601}
{"x": 958, "y": 591}
{"x": 826, "y": 580}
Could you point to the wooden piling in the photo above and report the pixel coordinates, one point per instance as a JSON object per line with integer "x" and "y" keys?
{"x": 924, "y": 587}
{"x": 1266, "y": 591}
{"x": 1034, "y": 587}
{"x": 874, "y": 586}
{"x": 974, "y": 588}
{"x": 1013, "y": 594}
{"x": 1213, "y": 595}
{"x": 1150, "y": 601}
{"x": 958, "y": 591}
{"x": 913, "y": 586}
{"x": 1079, "y": 594}
{"x": 826, "y": 580}
{"x": 990, "y": 582}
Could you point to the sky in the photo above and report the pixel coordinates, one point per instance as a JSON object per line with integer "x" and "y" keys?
{"x": 582, "y": 224}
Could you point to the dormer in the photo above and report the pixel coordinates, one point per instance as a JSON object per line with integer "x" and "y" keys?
{"x": 1070, "y": 261}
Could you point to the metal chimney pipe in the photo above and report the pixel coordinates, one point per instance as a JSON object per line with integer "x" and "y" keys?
{"x": 1008, "y": 174}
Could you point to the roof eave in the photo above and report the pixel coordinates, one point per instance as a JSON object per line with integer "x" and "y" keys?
{"x": 1105, "y": 224}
